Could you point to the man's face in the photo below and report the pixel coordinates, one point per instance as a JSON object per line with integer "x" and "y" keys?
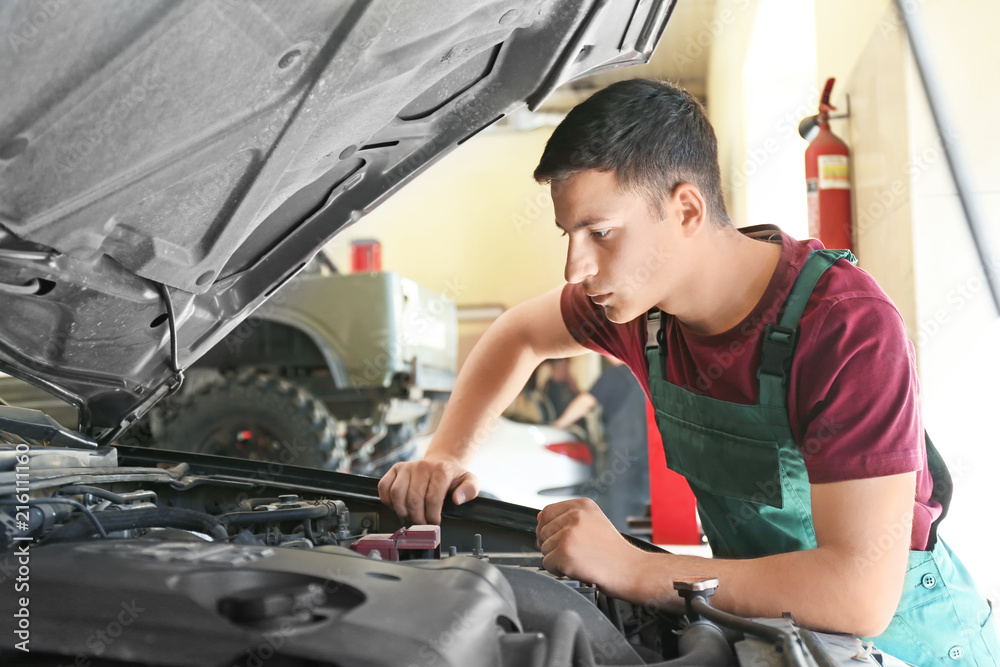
{"x": 619, "y": 249}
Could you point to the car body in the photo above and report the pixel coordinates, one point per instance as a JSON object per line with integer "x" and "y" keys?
{"x": 528, "y": 464}
{"x": 165, "y": 167}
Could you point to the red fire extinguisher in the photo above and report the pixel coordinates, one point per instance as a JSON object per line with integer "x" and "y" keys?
{"x": 828, "y": 182}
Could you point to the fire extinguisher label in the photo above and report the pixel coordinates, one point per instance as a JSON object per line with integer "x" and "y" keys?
{"x": 834, "y": 172}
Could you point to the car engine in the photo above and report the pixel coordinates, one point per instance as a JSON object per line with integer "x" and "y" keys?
{"x": 115, "y": 556}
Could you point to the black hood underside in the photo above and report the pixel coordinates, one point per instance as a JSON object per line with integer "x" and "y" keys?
{"x": 175, "y": 162}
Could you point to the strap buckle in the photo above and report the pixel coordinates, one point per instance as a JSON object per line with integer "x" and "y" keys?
{"x": 776, "y": 352}
{"x": 655, "y": 331}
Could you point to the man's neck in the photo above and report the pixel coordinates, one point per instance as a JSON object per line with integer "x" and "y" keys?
{"x": 732, "y": 279}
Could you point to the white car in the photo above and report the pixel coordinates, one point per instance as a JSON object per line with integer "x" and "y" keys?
{"x": 527, "y": 464}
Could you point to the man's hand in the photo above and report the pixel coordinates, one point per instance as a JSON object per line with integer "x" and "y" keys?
{"x": 415, "y": 490}
{"x": 578, "y": 541}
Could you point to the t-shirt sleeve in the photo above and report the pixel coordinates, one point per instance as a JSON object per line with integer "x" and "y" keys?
{"x": 590, "y": 327}
{"x": 858, "y": 403}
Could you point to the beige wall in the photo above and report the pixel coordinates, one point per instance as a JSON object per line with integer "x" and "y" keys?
{"x": 911, "y": 234}
{"x": 474, "y": 226}
{"x": 725, "y": 96}
{"x": 958, "y": 330}
{"x": 843, "y": 30}
{"x": 878, "y": 134}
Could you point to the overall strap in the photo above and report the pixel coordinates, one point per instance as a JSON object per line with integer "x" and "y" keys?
{"x": 780, "y": 339}
{"x": 656, "y": 347}
{"x": 942, "y": 489}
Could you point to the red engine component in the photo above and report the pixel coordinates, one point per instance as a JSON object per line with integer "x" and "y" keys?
{"x": 405, "y": 544}
{"x": 828, "y": 182}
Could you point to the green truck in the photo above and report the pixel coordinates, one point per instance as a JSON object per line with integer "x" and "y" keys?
{"x": 335, "y": 370}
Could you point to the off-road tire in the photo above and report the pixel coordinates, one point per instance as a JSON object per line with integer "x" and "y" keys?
{"x": 301, "y": 430}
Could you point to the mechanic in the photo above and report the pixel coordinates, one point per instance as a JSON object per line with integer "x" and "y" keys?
{"x": 784, "y": 385}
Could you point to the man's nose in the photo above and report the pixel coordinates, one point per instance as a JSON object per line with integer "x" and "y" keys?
{"x": 579, "y": 263}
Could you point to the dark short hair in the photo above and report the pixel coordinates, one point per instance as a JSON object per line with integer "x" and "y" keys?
{"x": 652, "y": 135}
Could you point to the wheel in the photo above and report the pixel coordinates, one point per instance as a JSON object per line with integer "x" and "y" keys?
{"x": 258, "y": 417}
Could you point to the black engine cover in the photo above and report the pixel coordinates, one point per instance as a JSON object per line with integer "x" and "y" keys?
{"x": 169, "y": 602}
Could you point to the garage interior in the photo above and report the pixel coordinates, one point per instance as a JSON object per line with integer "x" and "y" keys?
{"x": 759, "y": 68}
{"x": 214, "y": 415}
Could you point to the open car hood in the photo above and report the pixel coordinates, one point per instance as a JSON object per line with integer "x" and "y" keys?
{"x": 165, "y": 166}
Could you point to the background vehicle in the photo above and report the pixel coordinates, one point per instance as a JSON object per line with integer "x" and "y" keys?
{"x": 340, "y": 370}
{"x": 337, "y": 371}
{"x": 527, "y": 464}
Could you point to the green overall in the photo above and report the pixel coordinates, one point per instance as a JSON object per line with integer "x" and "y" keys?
{"x": 749, "y": 478}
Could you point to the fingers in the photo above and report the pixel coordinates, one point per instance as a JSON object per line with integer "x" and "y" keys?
{"x": 385, "y": 484}
{"x": 398, "y": 491}
{"x": 437, "y": 488}
{"x": 416, "y": 490}
{"x": 420, "y": 480}
{"x": 467, "y": 488}
{"x": 548, "y": 533}
{"x": 549, "y": 562}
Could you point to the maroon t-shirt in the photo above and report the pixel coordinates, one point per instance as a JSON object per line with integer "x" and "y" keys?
{"x": 853, "y": 399}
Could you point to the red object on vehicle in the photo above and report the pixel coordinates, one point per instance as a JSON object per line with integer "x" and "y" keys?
{"x": 828, "y": 182}
{"x": 407, "y": 543}
{"x": 366, "y": 255}
{"x": 575, "y": 449}
{"x": 673, "y": 505}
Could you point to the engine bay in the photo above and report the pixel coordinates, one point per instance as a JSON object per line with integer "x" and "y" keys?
{"x": 130, "y": 556}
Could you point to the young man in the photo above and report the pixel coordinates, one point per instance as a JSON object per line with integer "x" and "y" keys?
{"x": 784, "y": 385}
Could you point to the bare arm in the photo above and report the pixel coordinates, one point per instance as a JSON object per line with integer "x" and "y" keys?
{"x": 581, "y": 404}
{"x": 851, "y": 582}
{"x": 495, "y": 371}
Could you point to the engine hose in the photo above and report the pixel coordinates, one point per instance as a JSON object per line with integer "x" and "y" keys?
{"x": 568, "y": 643}
{"x": 292, "y": 514}
{"x": 537, "y": 594}
{"x": 703, "y": 644}
{"x": 153, "y": 517}
{"x": 248, "y": 504}
{"x": 792, "y": 651}
{"x": 94, "y": 491}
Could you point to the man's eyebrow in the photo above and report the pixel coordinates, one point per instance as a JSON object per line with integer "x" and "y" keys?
{"x": 583, "y": 224}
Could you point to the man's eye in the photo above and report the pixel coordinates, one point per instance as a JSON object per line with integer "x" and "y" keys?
{"x": 602, "y": 234}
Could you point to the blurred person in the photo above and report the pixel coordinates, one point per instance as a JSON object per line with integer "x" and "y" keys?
{"x": 621, "y": 483}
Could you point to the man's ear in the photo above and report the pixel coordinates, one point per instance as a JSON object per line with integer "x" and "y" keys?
{"x": 689, "y": 203}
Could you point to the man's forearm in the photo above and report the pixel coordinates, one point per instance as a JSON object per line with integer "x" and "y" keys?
{"x": 821, "y": 588}
{"x": 581, "y": 404}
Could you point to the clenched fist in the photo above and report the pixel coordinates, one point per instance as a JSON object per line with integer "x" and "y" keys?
{"x": 415, "y": 490}
{"x": 578, "y": 541}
